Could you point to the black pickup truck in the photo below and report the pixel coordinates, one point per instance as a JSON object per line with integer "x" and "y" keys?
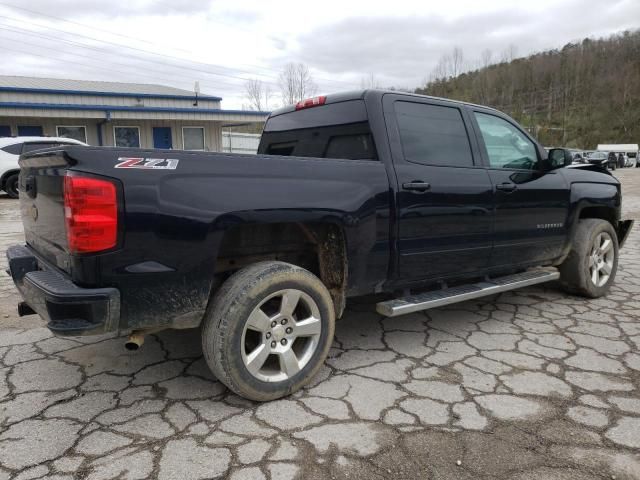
{"x": 423, "y": 200}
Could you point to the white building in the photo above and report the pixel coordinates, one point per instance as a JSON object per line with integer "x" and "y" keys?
{"x": 111, "y": 113}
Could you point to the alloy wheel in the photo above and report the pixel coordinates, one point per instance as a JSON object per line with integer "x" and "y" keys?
{"x": 601, "y": 259}
{"x": 281, "y": 335}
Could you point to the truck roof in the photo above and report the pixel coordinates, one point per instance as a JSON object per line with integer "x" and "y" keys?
{"x": 360, "y": 94}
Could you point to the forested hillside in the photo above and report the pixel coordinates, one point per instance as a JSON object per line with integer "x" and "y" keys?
{"x": 584, "y": 94}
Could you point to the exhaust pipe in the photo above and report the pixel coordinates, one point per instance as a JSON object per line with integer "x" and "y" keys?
{"x": 135, "y": 340}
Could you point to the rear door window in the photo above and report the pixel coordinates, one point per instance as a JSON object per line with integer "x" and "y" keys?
{"x": 433, "y": 134}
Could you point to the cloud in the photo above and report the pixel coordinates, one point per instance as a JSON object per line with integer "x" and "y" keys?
{"x": 405, "y": 50}
{"x": 114, "y": 8}
{"x": 399, "y": 43}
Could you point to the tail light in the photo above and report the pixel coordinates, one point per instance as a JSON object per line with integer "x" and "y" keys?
{"x": 311, "y": 102}
{"x": 91, "y": 214}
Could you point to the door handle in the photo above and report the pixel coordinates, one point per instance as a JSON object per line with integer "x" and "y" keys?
{"x": 416, "y": 185}
{"x": 506, "y": 187}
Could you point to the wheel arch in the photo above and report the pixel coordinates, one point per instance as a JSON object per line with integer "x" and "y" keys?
{"x": 590, "y": 200}
{"x": 603, "y": 212}
{"x": 320, "y": 247}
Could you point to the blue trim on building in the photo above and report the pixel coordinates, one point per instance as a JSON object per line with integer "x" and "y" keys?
{"x": 107, "y": 94}
{"x": 118, "y": 108}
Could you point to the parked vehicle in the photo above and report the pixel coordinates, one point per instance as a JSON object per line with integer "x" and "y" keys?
{"x": 579, "y": 156}
{"x": 629, "y": 151}
{"x": 604, "y": 159}
{"x": 10, "y": 150}
{"x": 350, "y": 194}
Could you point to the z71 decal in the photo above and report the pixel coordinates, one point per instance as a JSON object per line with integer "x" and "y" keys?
{"x": 148, "y": 163}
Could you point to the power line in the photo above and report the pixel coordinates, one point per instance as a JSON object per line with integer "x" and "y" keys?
{"x": 111, "y": 33}
{"x": 21, "y": 31}
{"x": 81, "y": 64}
{"x": 148, "y": 51}
{"x": 129, "y": 37}
{"x": 131, "y": 48}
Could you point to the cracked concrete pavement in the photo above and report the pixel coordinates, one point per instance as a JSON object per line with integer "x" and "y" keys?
{"x": 525, "y": 385}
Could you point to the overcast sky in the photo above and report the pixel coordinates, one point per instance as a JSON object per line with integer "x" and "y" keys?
{"x": 222, "y": 43}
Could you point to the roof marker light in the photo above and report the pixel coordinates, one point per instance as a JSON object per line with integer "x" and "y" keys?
{"x": 311, "y": 102}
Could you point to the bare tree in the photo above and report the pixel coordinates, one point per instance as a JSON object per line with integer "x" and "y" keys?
{"x": 510, "y": 53}
{"x": 369, "y": 81}
{"x": 296, "y": 83}
{"x": 579, "y": 95}
{"x": 485, "y": 58}
{"x": 442, "y": 70}
{"x": 457, "y": 59}
{"x": 258, "y": 94}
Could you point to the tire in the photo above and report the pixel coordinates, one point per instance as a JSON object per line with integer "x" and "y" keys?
{"x": 11, "y": 185}
{"x": 577, "y": 271}
{"x": 243, "y": 348}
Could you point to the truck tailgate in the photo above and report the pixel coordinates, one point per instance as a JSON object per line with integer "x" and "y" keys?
{"x": 42, "y": 205}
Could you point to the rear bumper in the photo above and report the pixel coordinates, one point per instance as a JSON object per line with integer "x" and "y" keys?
{"x": 68, "y": 309}
{"x": 624, "y": 228}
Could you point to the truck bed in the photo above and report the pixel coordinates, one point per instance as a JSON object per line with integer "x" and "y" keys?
{"x": 174, "y": 208}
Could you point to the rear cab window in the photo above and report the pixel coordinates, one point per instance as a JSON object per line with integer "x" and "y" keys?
{"x": 335, "y": 130}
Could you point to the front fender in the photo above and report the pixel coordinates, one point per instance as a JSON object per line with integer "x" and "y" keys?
{"x": 591, "y": 200}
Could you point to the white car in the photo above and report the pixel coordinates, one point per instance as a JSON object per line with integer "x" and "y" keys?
{"x": 10, "y": 150}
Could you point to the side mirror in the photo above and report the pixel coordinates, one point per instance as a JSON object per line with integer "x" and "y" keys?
{"x": 558, "y": 158}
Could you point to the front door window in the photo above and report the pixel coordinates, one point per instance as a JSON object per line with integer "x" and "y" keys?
{"x": 507, "y": 147}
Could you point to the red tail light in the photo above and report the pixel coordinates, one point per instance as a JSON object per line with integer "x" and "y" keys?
{"x": 91, "y": 214}
{"x": 311, "y": 102}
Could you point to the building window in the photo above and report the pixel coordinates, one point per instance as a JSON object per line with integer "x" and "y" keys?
{"x": 77, "y": 133}
{"x": 5, "y": 131}
{"x": 193, "y": 138}
{"x": 126, "y": 136}
{"x": 29, "y": 131}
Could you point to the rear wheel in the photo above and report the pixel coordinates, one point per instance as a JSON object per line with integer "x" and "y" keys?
{"x": 268, "y": 330}
{"x": 591, "y": 266}
{"x": 11, "y": 185}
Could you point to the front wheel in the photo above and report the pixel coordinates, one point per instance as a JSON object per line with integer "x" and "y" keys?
{"x": 591, "y": 266}
{"x": 11, "y": 185}
{"x": 268, "y": 330}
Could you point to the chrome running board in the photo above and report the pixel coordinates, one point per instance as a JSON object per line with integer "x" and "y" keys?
{"x": 447, "y": 296}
